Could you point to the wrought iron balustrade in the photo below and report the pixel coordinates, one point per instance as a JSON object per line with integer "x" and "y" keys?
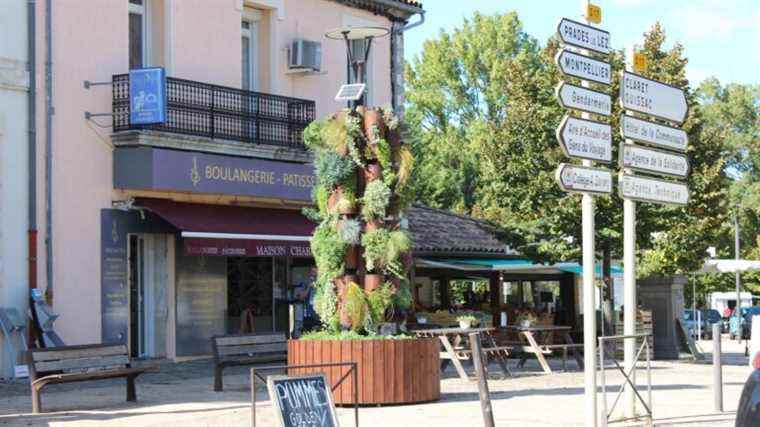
{"x": 219, "y": 112}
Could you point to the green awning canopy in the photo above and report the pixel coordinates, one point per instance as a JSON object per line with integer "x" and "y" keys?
{"x": 514, "y": 265}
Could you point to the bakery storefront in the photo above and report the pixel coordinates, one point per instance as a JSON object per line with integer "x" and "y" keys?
{"x": 202, "y": 244}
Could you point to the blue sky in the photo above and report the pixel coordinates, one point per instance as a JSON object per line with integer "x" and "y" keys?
{"x": 721, "y": 38}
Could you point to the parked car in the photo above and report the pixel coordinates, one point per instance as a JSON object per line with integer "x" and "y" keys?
{"x": 690, "y": 322}
{"x": 747, "y": 320}
{"x": 748, "y": 413}
{"x": 710, "y": 318}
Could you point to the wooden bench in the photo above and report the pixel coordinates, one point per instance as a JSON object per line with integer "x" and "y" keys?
{"x": 80, "y": 363}
{"x": 246, "y": 349}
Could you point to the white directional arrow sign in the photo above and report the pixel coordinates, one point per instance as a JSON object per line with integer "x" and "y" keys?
{"x": 653, "y": 134}
{"x": 580, "y": 98}
{"x": 584, "y": 67}
{"x": 653, "y": 190}
{"x": 580, "y": 179}
{"x": 653, "y": 161}
{"x": 585, "y": 139}
{"x": 653, "y": 98}
{"x": 583, "y": 36}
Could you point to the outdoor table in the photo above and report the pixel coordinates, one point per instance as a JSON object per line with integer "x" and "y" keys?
{"x": 456, "y": 347}
{"x": 539, "y": 340}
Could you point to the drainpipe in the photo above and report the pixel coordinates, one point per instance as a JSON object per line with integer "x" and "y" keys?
{"x": 397, "y": 61}
{"x": 32, "y": 140}
{"x": 49, "y": 150}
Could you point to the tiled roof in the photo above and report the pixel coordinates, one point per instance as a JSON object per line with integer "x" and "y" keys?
{"x": 444, "y": 232}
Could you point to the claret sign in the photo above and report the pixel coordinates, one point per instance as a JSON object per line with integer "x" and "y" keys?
{"x": 148, "y": 168}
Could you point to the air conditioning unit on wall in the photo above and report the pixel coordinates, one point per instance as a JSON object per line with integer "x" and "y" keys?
{"x": 305, "y": 55}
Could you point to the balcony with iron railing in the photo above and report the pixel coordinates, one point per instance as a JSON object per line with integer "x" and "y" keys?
{"x": 221, "y": 113}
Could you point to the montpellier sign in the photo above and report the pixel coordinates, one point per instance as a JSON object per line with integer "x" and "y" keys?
{"x": 653, "y": 161}
{"x": 653, "y": 133}
{"x": 653, "y": 190}
{"x": 652, "y": 98}
{"x": 584, "y": 67}
{"x": 585, "y": 139}
{"x": 582, "y": 99}
{"x": 581, "y": 179}
{"x": 583, "y": 36}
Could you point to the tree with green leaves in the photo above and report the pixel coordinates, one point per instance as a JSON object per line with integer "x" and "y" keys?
{"x": 482, "y": 97}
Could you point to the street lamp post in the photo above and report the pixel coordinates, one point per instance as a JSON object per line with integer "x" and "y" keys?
{"x": 357, "y": 58}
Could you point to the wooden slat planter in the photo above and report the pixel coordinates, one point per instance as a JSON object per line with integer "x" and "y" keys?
{"x": 390, "y": 371}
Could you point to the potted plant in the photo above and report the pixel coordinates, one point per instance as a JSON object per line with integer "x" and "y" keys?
{"x": 361, "y": 286}
{"x": 466, "y": 321}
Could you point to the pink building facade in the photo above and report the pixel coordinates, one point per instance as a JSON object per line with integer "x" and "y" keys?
{"x": 162, "y": 235}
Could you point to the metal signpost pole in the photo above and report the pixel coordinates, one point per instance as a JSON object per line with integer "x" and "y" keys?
{"x": 589, "y": 290}
{"x": 629, "y": 282}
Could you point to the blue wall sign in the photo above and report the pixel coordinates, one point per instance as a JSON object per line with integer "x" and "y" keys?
{"x": 147, "y": 96}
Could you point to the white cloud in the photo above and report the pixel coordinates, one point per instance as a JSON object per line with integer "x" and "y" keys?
{"x": 714, "y": 19}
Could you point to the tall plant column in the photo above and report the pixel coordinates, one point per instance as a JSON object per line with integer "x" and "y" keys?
{"x": 360, "y": 246}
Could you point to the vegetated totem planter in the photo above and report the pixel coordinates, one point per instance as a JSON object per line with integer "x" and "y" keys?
{"x": 390, "y": 371}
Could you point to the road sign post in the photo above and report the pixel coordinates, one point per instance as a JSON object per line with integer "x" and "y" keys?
{"x": 651, "y": 98}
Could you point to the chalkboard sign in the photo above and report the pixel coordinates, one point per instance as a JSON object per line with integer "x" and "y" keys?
{"x": 302, "y": 401}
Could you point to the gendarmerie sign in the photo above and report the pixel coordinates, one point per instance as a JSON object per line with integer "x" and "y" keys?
{"x": 148, "y": 168}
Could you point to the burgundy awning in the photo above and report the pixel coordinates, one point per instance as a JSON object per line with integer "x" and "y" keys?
{"x": 236, "y": 230}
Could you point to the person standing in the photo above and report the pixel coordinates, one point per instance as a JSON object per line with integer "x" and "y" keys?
{"x": 306, "y": 318}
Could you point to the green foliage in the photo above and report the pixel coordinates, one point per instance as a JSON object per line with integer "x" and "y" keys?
{"x": 375, "y": 200}
{"x": 383, "y": 249}
{"x": 350, "y": 335}
{"x": 349, "y": 231}
{"x": 331, "y": 168}
{"x": 353, "y": 137}
{"x": 355, "y": 307}
{"x": 379, "y": 301}
{"x": 482, "y": 120}
{"x": 320, "y": 195}
{"x": 312, "y": 135}
{"x": 329, "y": 251}
{"x": 403, "y": 298}
{"x": 375, "y": 245}
{"x": 326, "y": 304}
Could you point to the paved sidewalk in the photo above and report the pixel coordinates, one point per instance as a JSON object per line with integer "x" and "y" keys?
{"x": 181, "y": 395}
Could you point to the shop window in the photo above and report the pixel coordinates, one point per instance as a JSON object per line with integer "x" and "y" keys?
{"x": 138, "y": 33}
{"x": 146, "y": 33}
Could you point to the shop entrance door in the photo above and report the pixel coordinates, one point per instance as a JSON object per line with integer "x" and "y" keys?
{"x": 148, "y": 308}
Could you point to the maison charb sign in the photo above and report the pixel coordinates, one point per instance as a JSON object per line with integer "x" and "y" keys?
{"x": 584, "y": 67}
{"x": 583, "y": 36}
{"x": 148, "y": 168}
{"x": 656, "y": 99}
{"x": 585, "y": 139}
{"x": 653, "y": 161}
{"x": 583, "y": 99}
{"x": 653, "y": 133}
{"x": 247, "y": 247}
{"x": 302, "y": 401}
{"x": 653, "y": 190}
{"x": 581, "y": 179}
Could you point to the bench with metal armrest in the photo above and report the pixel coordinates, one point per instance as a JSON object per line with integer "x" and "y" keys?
{"x": 78, "y": 363}
{"x": 246, "y": 349}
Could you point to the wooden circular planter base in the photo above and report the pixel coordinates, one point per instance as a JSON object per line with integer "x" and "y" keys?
{"x": 391, "y": 372}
